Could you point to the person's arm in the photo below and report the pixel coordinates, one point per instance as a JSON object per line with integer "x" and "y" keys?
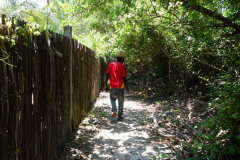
{"x": 125, "y": 83}
{"x": 106, "y": 80}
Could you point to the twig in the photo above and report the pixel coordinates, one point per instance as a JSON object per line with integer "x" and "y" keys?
{"x": 166, "y": 135}
{"x": 153, "y": 7}
{"x": 206, "y": 64}
{"x": 52, "y": 49}
{"x": 208, "y": 111}
{"x": 180, "y": 134}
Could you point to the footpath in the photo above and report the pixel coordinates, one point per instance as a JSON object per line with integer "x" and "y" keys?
{"x": 145, "y": 133}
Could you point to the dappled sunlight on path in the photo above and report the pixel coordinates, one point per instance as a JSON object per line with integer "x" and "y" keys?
{"x": 126, "y": 139}
{"x": 107, "y": 138}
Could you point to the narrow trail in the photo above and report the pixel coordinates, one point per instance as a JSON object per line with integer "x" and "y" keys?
{"x": 101, "y": 137}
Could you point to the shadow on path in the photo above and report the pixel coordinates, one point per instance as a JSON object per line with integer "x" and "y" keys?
{"x": 102, "y": 137}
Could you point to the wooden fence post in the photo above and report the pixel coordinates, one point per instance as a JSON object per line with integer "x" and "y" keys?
{"x": 68, "y": 33}
{"x": 4, "y": 97}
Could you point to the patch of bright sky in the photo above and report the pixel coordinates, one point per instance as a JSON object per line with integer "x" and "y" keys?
{"x": 40, "y": 3}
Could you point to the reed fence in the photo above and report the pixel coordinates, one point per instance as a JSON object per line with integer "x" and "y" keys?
{"x": 47, "y": 85}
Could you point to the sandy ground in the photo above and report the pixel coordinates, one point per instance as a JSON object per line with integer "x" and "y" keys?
{"x": 102, "y": 137}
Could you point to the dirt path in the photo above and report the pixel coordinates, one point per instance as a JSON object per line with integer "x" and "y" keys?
{"x": 139, "y": 136}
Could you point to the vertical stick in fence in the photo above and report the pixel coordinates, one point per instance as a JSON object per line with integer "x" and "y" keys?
{"x": 3, "y": 23}
{"x": 5, "y": 98}
{"x": 68, "y": 33}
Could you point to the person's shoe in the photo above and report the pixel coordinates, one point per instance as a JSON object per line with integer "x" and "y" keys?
{"x": 114, "y": 114}
{"x": 120, "y": 118}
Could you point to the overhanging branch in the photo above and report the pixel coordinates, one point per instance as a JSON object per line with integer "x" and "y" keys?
{"x": 216, "y": 16}
{"x": 230, "y": 34}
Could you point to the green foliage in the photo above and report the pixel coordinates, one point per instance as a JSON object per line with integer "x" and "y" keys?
{"x": 30, "y": 12}
{"x": 158, "y": 156}
{"x": 17, "y": 151}
{"x": 224, "y": 127}
{"x": 104, "y": 114}
{"x": 168, "y": 43}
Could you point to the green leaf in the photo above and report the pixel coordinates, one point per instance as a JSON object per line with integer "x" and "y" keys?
{"x": 12, "y": 44}
{"x": 191, "y": 4}
{"x": 17, "y": 151}
{"x": 5, "y": 40}
{"x": 153, "y": 157}
{"x": 42, "y": 28}
{"x": 232, "y": 150}
{"x": 25, "y": 44}
{"x": 214, "y": 150}
{"x": 238, "y": 137}
{"x": 238, "y": 150}
{"x": 199, "y": 144}
{"x": 164, "y": 155}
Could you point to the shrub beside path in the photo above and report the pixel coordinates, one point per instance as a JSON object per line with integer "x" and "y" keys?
{"x": 136, "y": 137}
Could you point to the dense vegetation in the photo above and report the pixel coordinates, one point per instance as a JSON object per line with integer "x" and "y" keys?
{"x": 181, "y": 46}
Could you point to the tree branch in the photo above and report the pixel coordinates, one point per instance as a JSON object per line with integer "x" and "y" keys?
{"x": 174, "y": 15}
{"x": 216, "y": 25}
{"x": 157, "y": 16}
{"x": 205, "y": 63}
{"x": 153, "y": 7}
{"x": 216, "y": 16}
{"x": 230, "y": 34}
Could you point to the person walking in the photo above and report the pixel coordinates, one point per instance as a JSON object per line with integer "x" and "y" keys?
{"x": 116, "y": 71}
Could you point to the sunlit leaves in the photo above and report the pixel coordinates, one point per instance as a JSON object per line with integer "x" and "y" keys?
{"x": 12, "y": 43}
